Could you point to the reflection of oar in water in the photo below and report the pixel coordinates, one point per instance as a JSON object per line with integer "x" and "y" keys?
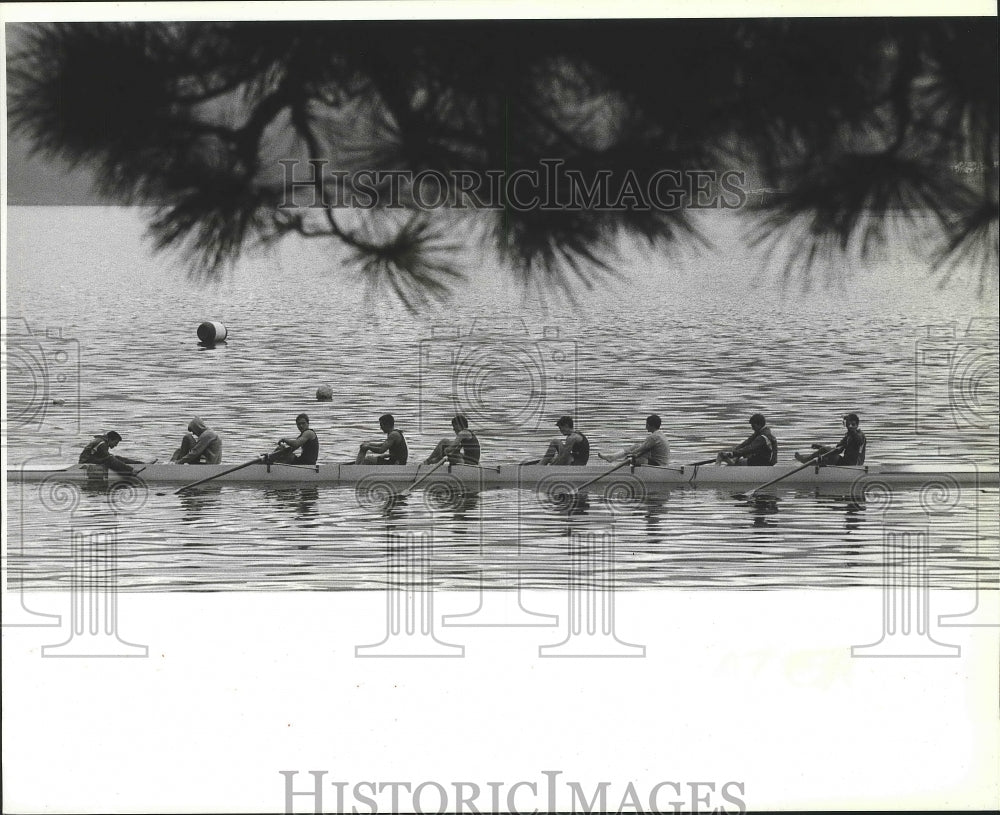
{"x": 808, "y": 463}
{"x": 252, "y": 461}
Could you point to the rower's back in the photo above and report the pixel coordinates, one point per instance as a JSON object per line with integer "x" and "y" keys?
{"x": 855, "y": 444}
{"x": 310, "y": 449}
{"x": 469, "y": 445}
{"x": 659, "y": 449}
{"x": 397, "y": 452}
{"x": 579, "y": 450}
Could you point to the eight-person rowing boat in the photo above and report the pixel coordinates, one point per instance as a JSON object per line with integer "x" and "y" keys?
{"x": 295, "y": 461}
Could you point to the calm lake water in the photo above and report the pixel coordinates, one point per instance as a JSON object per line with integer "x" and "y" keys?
{"x": 702, "y": 340}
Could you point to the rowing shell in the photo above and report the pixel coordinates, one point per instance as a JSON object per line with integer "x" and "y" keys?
{"x": 529, "y": 476}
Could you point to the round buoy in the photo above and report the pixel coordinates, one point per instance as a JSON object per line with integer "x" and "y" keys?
{"x": 211, "y": 333}
{"x": 324, "y": 393}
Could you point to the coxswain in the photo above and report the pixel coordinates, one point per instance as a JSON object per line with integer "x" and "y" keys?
{"x": 850, "y": 450}
{"x": 759, "y": 450}
{"x": 463, "y": 448}
{"x": 653, "y": 450}
{"x": 200, "y": 445}
{"x": 307, "y": 443}
{"x": 99, "y": 450}
{"x": 391, "y": 451}
{"x": 572, "y": 450}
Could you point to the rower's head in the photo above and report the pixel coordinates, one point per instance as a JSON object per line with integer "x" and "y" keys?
{"x": 565, "y": 425}
{"x": 196, "y": 426}
{"x": 112, "y": 438}
{"x": 386, "y": 422}
{"x": 652, "y": 422}
{"x": 757, "y": 421}
{"x": 302, "y": 421}
{"x": 852, "y": 420}
{"x": 459, "y": 423}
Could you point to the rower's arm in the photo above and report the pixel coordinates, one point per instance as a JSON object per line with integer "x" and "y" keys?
{"x": 204, "y": 440}
{"x": 565, "y": 450}
{"x": 294, "y": 444}
{"x": 750, "y": 445}
{"x": 643, "y": 447}
{"x": 372, "y": 447}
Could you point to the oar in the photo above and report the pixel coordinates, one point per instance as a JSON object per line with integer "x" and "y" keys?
{"x": 702, "y": 463}
{"x": 528, "y": 463}
{"x": 625, "y": 463}
{"x": 808, "y": 463}
{"x": 257, "y": 460}
{"x": 422, "y": 478}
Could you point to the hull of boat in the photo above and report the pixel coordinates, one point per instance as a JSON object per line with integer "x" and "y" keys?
{"x": 515, "y": 476}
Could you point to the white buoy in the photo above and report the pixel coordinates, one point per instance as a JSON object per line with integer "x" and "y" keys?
{"x": 210, "y": 333}
{"x": 324, "y": 393}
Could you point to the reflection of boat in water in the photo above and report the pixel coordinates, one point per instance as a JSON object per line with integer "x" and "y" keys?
{"x": 532, "y": 476}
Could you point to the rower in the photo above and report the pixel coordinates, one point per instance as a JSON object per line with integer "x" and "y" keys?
{"x": 391, "y": 451}
{"x": 200, "y": 445}
{"x": 99, "y": 450}
{"x": 572, "y": 450}
{"x": 464, "y": 448}
{"x": 850, "y": 450}
{"x": 654, "y": 450}
{"x": 306, "y": 442}
{"x": 759, "y": 450}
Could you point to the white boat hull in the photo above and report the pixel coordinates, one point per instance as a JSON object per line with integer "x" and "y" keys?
{"x": 515, "y": 476}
